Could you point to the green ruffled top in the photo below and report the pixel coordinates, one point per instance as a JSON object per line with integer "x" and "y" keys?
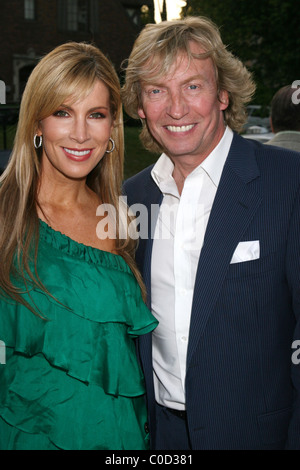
{"x": 73, "y": 377}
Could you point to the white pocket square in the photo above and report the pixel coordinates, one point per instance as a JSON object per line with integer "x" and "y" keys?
{"x": 246, "y": 251}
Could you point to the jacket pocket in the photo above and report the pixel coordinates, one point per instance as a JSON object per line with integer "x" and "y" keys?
{"x": 274, "y": 426}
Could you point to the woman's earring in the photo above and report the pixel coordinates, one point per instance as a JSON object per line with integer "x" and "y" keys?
{"x": 113, "y": 146}
{"x": 39, "y": 144}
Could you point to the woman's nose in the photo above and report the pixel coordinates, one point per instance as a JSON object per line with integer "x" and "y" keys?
{"x": 79, "y": 131}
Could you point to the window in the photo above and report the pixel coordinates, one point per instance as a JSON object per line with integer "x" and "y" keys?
{"x": 29, "y": 9}
{"x": 78, "y": 15}
{"x": 132, "y": 13}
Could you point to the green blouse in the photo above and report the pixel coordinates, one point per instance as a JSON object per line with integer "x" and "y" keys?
{"x": 72, "y": 379}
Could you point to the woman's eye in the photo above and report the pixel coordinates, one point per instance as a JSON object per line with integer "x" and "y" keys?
{"x": 97, "y": 115}
{"x": 61, "y": 113}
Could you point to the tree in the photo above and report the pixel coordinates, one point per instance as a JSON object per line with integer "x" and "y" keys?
{"x": 264, "y": 34}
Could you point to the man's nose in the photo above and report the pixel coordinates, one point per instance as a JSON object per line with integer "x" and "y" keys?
{"x": 178, "y": 107}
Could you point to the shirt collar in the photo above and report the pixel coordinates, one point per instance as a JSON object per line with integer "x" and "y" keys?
{"x": 212, "y": 165}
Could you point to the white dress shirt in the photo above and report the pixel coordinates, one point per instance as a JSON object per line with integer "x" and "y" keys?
{"x": 178, "y": 239}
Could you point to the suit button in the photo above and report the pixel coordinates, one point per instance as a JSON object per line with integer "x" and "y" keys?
{"x": 146, "y": 428}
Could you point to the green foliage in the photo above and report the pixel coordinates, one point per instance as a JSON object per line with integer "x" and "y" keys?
{"x": 7, "y": 136}
{"x": 136, "y": 157}
{"x": 264, "y": 34}
{"x": 147, "y": 15}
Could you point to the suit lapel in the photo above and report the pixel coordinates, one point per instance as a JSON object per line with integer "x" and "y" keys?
{"x": 151, "y": 201}
{"x": 234, "y": 207}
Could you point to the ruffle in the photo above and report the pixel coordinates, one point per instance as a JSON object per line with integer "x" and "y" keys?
{"x": 81, "y": 348}
{"x": 66, "y": 245}
{"x": 89, "y": 351}
{"x": 90, "y": 323}
{"x": 41, "y": 401}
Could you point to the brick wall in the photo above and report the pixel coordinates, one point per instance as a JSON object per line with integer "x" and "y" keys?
{"x": 23, "y": 41}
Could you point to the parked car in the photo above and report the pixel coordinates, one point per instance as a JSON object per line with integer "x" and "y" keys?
{"x": 259, "y": 133}
{"x": 258, "y": 115}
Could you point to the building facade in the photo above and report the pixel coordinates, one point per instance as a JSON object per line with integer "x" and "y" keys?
{"x": 31, "y": 28}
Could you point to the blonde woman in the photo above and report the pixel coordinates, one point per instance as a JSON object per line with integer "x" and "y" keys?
{"x": 71, "y": 298}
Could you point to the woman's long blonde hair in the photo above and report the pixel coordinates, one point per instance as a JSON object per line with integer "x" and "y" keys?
{"x": 69, "y": 71}
{"x": 156, "y": 50}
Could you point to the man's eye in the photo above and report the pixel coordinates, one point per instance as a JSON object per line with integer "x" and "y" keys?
{"x": 193, "y": 87}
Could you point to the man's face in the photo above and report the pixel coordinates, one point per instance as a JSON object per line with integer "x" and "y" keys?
{"x": 183, "y": 110}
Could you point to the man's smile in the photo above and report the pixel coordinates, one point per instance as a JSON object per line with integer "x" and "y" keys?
{"x": 180, "y": 128}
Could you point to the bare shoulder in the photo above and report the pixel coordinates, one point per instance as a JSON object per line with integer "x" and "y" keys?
{"x": 82, "y": 224}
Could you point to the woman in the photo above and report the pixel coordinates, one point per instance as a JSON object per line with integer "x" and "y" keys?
{"x": 71, "y": 302}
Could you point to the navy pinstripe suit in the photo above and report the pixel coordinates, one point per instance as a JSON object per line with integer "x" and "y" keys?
{"x": 242, "y": 388}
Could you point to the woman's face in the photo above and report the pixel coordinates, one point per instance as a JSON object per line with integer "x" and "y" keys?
{"x": 76, "y": 136}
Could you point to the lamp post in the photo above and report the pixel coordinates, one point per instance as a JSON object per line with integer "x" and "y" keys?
{"x": 173, "y": 9}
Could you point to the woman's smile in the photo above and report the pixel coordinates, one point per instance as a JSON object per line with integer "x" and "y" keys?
{"x": 78, "y": 155}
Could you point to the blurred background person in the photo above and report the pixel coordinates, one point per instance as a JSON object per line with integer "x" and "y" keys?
{"x": 285, "y": 119}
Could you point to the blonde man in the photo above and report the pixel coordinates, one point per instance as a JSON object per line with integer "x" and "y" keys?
{"x": 224, "y": 278}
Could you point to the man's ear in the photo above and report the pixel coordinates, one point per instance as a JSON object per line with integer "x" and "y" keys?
{"x": 224, "y": 99}
{"x": 141, "y": 113}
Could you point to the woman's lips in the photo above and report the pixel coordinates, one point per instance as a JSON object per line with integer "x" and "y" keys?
{"x": 78, "y": 155}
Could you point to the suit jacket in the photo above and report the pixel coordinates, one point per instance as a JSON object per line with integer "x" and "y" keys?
{"x": 242, "y": 387}
{"x": 286, "y": 139}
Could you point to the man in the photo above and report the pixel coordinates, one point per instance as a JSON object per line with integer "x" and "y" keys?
{"x": 285, "y": 119}
{"x": 221, "y": 261}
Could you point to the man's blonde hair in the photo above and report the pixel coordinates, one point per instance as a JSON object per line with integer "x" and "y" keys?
{"x": 157, "y": 48}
